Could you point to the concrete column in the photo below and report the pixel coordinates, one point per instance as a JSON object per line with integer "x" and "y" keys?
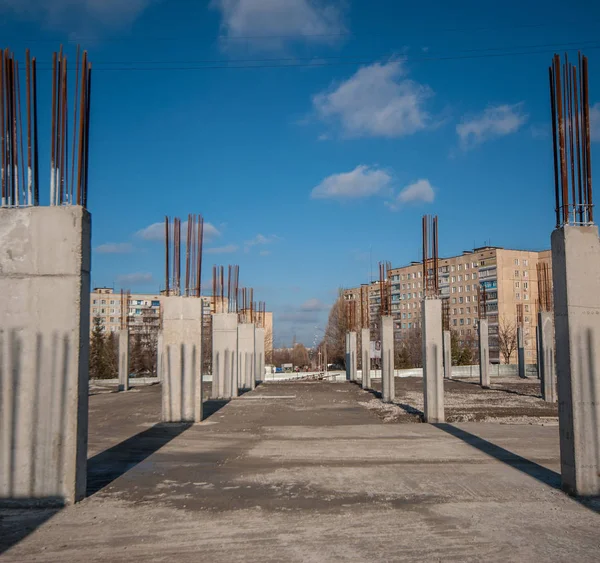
{"x": 575, "y": 274}
{"x": 44, "y": 353}
{"x": 352, "y": 343}
{"x": 546, "y": 355}
{"x": 246, "y": 345}
{"x": 521, "y": 351}
{"x": 433, "y": 371}
{"x": 124, "y": 360}
{"x": 225, "y": 356}
{"x": 347, "y": 357}
{"x": 484, "y": 354}
{"x": 538, "y": 353}
{"x": 447, "y": 354}
{"x": 259, "y": 355}
{"x": 182, "y": 365}
{"x": 365, "y": 343}
{"x": 388, "y": 391}
{"x": 160, "y": 356}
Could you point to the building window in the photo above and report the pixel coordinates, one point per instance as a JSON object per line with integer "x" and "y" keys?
{"x": 454, "y": 311}
{"x": 516, "y": 261}
{"x": 94, "y": 311}
{"x": 459, "y": 278}
{"x": 453, "y": 300}
{"x": 468, "y": 321}
{"x": 103, "y": 311}
{"x": 525, "y": 262}
{"x": 452, "y": 268}
{"x": 474, "y": 308}
{"x": 459, "y": 267}
{"x": 468, "y": 310}
{"x": 460, "y": 299}
{"x": 419, "y": 274}
{"x": 95, "y": 301}
{"x": 403, "y": 325}
{"x": 468, "y": 299}
{"x": 516, "y": 273}
{"x": 474, "y": 276}
{"x": 454, "y": 290}
{"x": 403, "y": 315}
{"x": 525, "y": 285}
{"x": 104, "y": 302}
{"x": 527, "y": 308}
{"x": 453, "y": 322}
{"x": 517, "y": 296}
{"x": 462, "y": 322}
{"x": 517, "y": 285}
{"x": 462, "y": 311}
{"x": 526, "y": 296}
{"x": 460, "y": 288}
{"x": 525, "y": 274}
{"x": 409, "y": 325}
{"x": 467, "y": 266}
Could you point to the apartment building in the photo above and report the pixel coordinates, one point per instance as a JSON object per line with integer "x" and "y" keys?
{"x": 508, "y": 276}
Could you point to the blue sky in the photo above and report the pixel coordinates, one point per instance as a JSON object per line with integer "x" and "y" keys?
{"x": 357, "y": 118}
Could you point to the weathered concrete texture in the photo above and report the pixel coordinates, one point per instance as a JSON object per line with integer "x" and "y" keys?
{"x": 44, "y": 353}
{"x": 347, "y": 356}
{"x": 182, "y": 362}
{"x": 546, "y": 355}
{"x": 365, "y": 345}
{"x": 538, "y": 353}
{"x": 447, "y": 354}
{"x": 387, "y": 359}
{"x": 521, "y": 351}
{"x": 160, "y": 356}
{"x": 353, "y": 346}
{"x": 124, "y": 360}
{"x": 259, "y": 355}
{"x": 433, "y": 370}
{"x": 291, "y": 472}
{"x": 225, "y": 352}
{"x": 575, "y": 274}
{"x": 484, "y": 353}
{"x": 246, "y": 362}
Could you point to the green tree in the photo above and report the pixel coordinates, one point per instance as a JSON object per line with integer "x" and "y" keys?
{"x": 99, "y": 364}
{"x": 111, "y": 347}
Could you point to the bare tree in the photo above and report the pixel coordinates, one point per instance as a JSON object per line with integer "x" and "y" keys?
{"x": 268, "y": 346}
{"x": 507, "y": 338}
{"x": 335, "y": 333}
{"x": 300, "y": 355}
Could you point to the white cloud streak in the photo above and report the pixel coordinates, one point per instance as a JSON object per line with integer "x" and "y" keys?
{"x": 363, "y": 181}
{"x": 115, "y": 248}
{"x": 156, "y": 232}
{"x": 227, "y": 249}
{"x": 494, "y": 122}
{"x": 271, "y": 24}
{"x": 377, "y": 101}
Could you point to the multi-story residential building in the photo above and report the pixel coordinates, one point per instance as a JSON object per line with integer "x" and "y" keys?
{"x": 508, "y": 276}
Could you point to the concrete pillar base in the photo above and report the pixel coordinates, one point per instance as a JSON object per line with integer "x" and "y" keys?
{"x": 447, "y": 354}
{"x": 484, "y": 354}
{"x": 124, "y": 360}
{"x": 365, "y": 345}
{"x": 246, "y": 361}
{"x": 225, "y": 356}
{"x": 575, "y": 274}
{"x": 546, "y": 357}
{"x": 521, "y": 352}
{"x": 433, "y": 371}
{"x": 388, "y": 389}
{"x": 352, "y": 343}
{"x": 259, "y": 355}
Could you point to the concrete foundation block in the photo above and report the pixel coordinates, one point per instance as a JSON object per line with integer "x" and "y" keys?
{"x": 365, "y": 345}
{"x": 546, "y": 355}
{"x": 246, "y": 363}
{"x": 225, "y": 356}
{"x": 259, "y": 355}
{"x": 447, "y": 354}
{"x": 433, "y": 371}
{"x": 44, "y": 353}
{"x": 484, "y": 353}
{"x": 521, "y": 352}
{"x": 388, "y": 390}
{"x": 124, "y": 360}
{"x": 575, "y": 274}
{"x": 182, "y": 363}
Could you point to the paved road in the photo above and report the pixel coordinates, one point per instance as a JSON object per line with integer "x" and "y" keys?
{"x": 304, "y": 472}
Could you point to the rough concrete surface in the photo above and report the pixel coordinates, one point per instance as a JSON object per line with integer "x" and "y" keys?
{"x": 301, "y": 471}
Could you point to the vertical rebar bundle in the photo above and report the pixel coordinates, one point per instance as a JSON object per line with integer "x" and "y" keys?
{"x": 193, "y": 256}
{"x": 364, "y": 306}
{"x": 125, "y": 301}
{"x": 446, "y": 314}
{"x": 430, "y": 256}
{"x": 544, "y": 287}
{"x": 519, "y": 314}
{"x": 385, "y": 288}
{"x": 225, "y": 301}
{"x": 351, "y": 315}
{"x": 571, "y": 141}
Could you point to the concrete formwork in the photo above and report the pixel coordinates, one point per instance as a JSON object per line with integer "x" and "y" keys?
{"x": 259, "y": 354}
{"x": 484, "y": 353}
{"x": 182, "y": 361}
{"x": 447, "y": 354}
{"x": 365, "y": 345}
{"x": 124, "y": 360}
{"x": 44, "y": 353}
{"x": 521, "y": 351}
{"x": 575, "y": 275}
{"x": 225, "y": 351}
{"x": 246, "y": 363}
{"x": 433, "y": 371}
{"x": 388, "y": 391}
{"x": 546, "y": 355}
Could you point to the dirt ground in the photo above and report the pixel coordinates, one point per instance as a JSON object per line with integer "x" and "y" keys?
{"x": 510, "y": 400}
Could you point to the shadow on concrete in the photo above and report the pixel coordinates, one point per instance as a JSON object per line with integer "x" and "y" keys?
{"x": 17, "y": 523}
{"x": 497, "y": 387}
{"x": 212, "y": 406}
{"x": 408, "y": 409}
{"x": 531, "y": 468}
{"x": 105, "y": 467}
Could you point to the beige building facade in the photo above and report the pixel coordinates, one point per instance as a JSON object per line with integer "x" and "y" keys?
{"x": 508, "y": 276}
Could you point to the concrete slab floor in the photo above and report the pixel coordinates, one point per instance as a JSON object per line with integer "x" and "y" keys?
{"x": 309, "y": 474}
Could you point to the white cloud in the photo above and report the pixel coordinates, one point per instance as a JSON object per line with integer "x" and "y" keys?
{"x": 141, "y": 278}
{"x": 78, "y": 14}
{"x": 227, "y": 249}
{"x": 421, "y": 190}
{"x": 595, "y": 122}
{"x": 270, "y": 24}
{"x": 115, "y": 248}
{"x": 495, "y": 121}
{"x": 156, "y": 231}
{"x": 377, "y": 101}
{"x": 260, "y": 240}
{"x": 363, "y": 181}
{"x": 314, "y": 305}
